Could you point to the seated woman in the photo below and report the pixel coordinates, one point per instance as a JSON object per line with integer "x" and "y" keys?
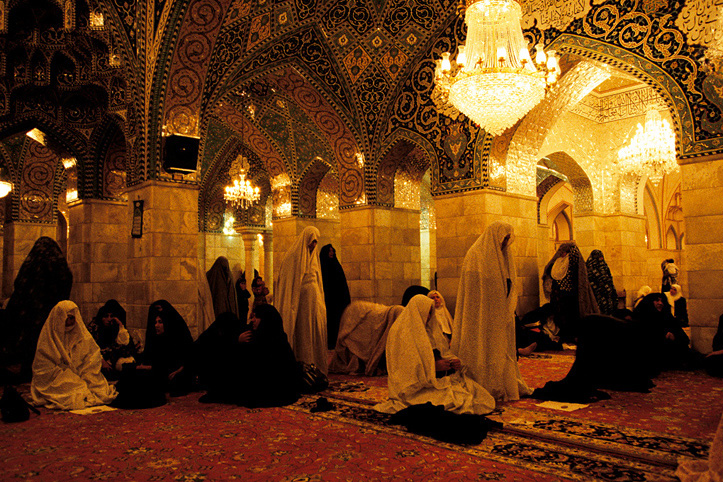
{"x": 666, "y": 344}
{"x": 117, "y": 346}
{"x": 67, "y": 364}
{"x": 444, "y": 318}
{"x": 678, "y": 304}
{"x": 362, "y": 338}
{"x": 252, "y": 365}
{"x": 168, "y": 347}
{"x": 422, "y": 369}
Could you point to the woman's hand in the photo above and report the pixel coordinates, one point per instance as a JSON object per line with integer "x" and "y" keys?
{"x": 442, "y": 365}
{"x": 172, "y": 375}
{"x": 245, "y": 337}
{"x": 455, "y": 363}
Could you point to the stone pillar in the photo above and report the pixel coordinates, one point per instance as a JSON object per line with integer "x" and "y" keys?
{"x": 621, "y": 238}
{"x": 18, "y": 239}
{"x": 702, "y": 191}
{"x": 268, "y": 269}
{"x": 163, "y": 263}
{"x": 97, "y": 253}
{"x": 462, "y": 218}
{"x": 251, "y": 252}
{"x": 381, "y": 252}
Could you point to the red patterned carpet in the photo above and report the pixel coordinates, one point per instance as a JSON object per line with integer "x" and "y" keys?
{"x": 629, "y": 437}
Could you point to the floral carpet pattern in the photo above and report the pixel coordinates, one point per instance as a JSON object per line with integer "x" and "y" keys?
{"x": 631, "y": 437}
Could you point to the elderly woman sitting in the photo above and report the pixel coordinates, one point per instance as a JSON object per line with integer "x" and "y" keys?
{"x": 67, "y": 364}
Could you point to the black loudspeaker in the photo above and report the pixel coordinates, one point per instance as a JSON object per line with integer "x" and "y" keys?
{"x": 180, "y": 153}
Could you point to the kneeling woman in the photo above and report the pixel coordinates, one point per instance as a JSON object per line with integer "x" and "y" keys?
{"x": 252, "y": 365}
{"x": 422, "y": 369}
{"x": 67, "y": 364}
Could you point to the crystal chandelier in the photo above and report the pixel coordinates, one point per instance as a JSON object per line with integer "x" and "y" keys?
{"x": 494, "y": 81}
{"x": 241, "y": 194}
{"x": 651, "y": 151}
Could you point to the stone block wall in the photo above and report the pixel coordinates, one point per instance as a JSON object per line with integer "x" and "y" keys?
{"x": 702, "y": 191}
{"x": 97, "y": 253}
{"x": 462, "y": 218}
{"x": 163, "y": 263}
{"x": 381, "y": 249}
{"x": 214, "y": 245}
{"x": 621, "y": 238}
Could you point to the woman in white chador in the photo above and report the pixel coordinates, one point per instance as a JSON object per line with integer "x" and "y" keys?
{"x": 484, "y": 321}
{"x": 299, "y": 296}
{"x": 422, "y": 369}
{"x": 66, "y": 368}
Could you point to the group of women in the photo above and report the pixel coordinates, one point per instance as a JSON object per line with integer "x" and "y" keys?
{"x": 249, "y": 364}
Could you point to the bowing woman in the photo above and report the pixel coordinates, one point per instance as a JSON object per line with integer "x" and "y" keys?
{"x": 484, "y": 324}
{"x": 422, "y": 369}
{"x": 299, "y": 296}
{"x": 168, "y": 347}
{"x": 66, "y": 368}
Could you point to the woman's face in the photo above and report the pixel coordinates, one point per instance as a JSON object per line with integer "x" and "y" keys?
{"x": 312, "y": 245}
{"x": 159, "y": 326}
{"x": 673, "y": 290}
{"x": 107, "y": 319}
{"x": 506, "y": 241}
{"x": 658, "y": 304}
{"x": 70, "y": 321}
{"x": 254, "y": 321}
{"x": 437, "y": 299}
{"x": 332, "y": 253}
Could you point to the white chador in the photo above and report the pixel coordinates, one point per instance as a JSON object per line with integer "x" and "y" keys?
{"x": 484, "y": 321}
{"x": 411, "y": 365}
{"x": 66, "y": 368}
{"x": 299, "y": 298}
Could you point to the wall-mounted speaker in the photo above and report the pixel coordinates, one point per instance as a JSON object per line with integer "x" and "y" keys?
{"x": 180, "y": 153}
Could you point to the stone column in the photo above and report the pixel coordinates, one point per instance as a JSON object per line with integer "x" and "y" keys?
{"x": 163, "y": 263}
{"x": 702, "y": 191}
{"x": 268, "y": 271}
{"x": 381, "y": 252}
{"x": 251, "y": 252}
{"x": 18, "y": 239}
{"x": 621, "y": 238}
{"x": 98, "y": 252}
{"x": 462, "y": 218}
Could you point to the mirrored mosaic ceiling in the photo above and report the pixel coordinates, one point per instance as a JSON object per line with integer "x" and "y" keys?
{"x": 316, "y": 90}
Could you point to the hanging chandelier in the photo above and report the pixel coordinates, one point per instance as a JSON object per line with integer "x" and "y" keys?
{"x": 651, "y": 151}
{"x": 493, "y": 80}
{"x": 241, "y": 193}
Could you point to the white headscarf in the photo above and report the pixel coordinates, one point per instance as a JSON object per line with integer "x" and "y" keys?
{"x": 484, "y": 325}
{"x": 411, "y": 366}
{"x": 66, "y": 368}
{"x": 297, "y": 262}
{"x": 444, "y": 317}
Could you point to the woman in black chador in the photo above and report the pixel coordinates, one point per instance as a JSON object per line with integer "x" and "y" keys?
{"x": 665, "y": 343}
{"x": 336, "y": 291}
{"x": 250, "y": 365}
{"x": 43, "y": 280}
{"x": 168, "y": 348}
{"x": 117, "y": 346}
{"x": 566, "y": 285}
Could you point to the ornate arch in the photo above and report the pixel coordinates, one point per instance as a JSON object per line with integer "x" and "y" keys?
{"x": 402, "y": 149}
